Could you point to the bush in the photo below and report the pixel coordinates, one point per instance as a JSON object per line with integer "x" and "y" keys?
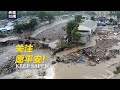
{"x": 107, "y": 57}
{"x": 2, "y": 35}
{"x": 63, "y": 44}
{"x": 58, "y": 50}
{"x": 115, "y": 72}
{"x": 25, "y": 26}
{"x": 60, "y": 47}
{"x": 118, "y": 68}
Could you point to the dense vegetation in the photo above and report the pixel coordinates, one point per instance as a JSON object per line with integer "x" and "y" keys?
{"x": 3, "y": 15}
{"x": 26, "y": 26}
{"x": 2, "y": 35}
{"x": 45, "y": 16}
{"x": 93, "y": 18}
{"x": 78, "y": 18}
{"x": 72, "y": 32}
{"x": 73, "y": 36}
{"x": 117, "y": 70}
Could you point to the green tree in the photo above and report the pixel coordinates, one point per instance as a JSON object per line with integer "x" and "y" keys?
{"x": 50, "y": 17}
{"x": 26, "y": 26}
{"x": 46, "y": 16}
{"x": 32, "y": 24}
{"x": 72, "y": 32}
{"x": 92, "y": 18}
{"x": 78, "y": 18}
{"x": 75, "y": 35}
{"x": 18, "y": 28}
{"x": 111, "y": 20}
{"x": 42, "y": 15}
{"x": 2, "y": 35}
{"x": 3, "y": 15}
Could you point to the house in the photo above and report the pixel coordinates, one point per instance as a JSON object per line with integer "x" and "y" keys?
{"x": 89, "y": 24}
{"x": 85, "y": 17}
{"x": 6, "y": 29}
{"x": 113, "y": 15}
{"x": 102, "y": 13}
{"x": 86, "y": 29}
{"x": 10, "y": 24}
{"x": 105, "y": 15}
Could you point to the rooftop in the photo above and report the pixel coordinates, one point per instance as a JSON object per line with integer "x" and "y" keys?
{"x": 89, "y": 23}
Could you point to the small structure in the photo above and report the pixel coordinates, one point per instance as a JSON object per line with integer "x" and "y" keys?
{"x": 86, "y": 29}
{"x": 7, "y": 28}
{"x": 53, "y": 44}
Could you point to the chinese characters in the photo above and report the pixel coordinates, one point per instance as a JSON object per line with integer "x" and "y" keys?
{"x": 20, "y": 59}
{"x": 12, "y": 14}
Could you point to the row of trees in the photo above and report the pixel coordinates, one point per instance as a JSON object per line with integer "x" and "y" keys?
{"x": 2, "y": 35}
{"x": 25, "y": 26}
{"x": 46, "y": 16}
{"x": 55, "y": 13}
{"x": 43, "y": 15}
{"x": 3, "y": 15}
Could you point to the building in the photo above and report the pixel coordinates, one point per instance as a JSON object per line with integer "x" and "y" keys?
{"x": 85, "y": 17}
{"x": 8, "y": 28}
{"x": 105, "y": 15}
{"x": 113, "y": 15}
{"x": 102, "y": 13}
{"x": 86, "y": 29}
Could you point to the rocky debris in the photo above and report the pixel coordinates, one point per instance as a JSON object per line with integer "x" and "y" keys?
{"x": 52, "y": 34}
{"x": 117, "y": 71}
{"x": 41, "y": 72}
{"x": 100, "y": 49}
{"x": 53, "y": 62}
{"x": 95, "y": 53}
{"x": 8, "y": 67}
{"x": 113, "y": 53}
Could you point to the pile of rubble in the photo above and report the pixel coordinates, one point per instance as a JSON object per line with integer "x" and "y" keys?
{"x": 95, "y": 53}
{"x": 113, "y": 53}
{"x": 71, "y": 58}
{"x": 100, "y": 49}
{"x": 53, "y": 34}
{"x": 8, "y": 67}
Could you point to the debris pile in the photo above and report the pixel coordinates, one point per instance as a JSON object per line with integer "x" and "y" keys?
{"x": 95, "y": 53}
{"x": 8, "y": 67}
{"x": 113, "y": 53}
{"x": 100, "y": 49}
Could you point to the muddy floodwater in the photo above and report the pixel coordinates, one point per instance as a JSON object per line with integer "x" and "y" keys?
{"x": 82, "y": 70}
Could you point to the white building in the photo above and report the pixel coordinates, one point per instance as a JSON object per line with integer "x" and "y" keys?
{"x": 106, "y": 14}
{"x": 86, "y": 29}
{"x": 7, "y": 28}
{"x": 85, "y": 17}
{"x": 102, "y": 13}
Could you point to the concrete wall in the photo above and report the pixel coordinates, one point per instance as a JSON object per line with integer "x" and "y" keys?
{"x": 84, "y": 39}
